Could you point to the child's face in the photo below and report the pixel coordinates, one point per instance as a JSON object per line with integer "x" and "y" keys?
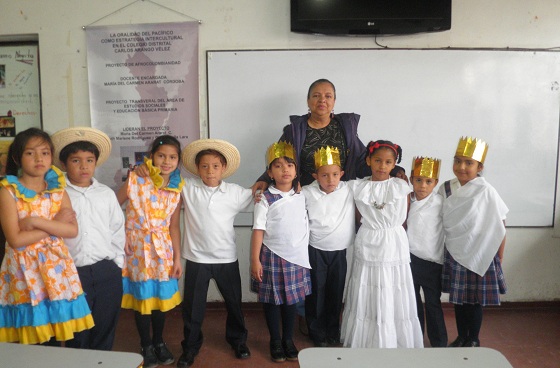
{"x": 423, "y": 186}
{"x": 466, "y": 169}
{"x": 37, "y": 157}
{"x": 166, "y": 158}
{"x": 282, "y": 171}
{"x": 382, "y": 161}
{"x": 328, "y": 177}
{"x": 211, "y": 170}
{"x": 80, "y": 167}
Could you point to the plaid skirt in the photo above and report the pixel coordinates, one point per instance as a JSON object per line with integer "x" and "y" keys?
{"x": 283, "y": 282}
{"x": 467, "y": 287}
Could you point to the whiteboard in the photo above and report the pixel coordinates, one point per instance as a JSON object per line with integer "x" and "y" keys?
{"x": 423, "y": 100}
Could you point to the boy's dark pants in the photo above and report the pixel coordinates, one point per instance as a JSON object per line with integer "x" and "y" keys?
{"x": 427, "y": 275}
{"x": 103, "y": 286}
{"x": 324, "y": 305}
{"x": 228, "y": 280}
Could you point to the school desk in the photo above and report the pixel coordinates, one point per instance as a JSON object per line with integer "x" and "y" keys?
{"x": 19, "y": 355}
{"x": 402, "y": 358}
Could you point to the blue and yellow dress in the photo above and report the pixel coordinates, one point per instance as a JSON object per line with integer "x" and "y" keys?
{"x": 146, "y": 282}
{"x": 40, "y": 292}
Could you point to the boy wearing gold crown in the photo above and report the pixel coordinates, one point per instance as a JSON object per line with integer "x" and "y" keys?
{"x": 330, "y": 207}
{"x": 425, "y": 238}
{"x": 474, "y": 227}
{"x": 279, "y": 256}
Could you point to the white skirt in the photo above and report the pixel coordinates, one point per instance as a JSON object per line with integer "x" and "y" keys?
{"x": 380, "y": 309}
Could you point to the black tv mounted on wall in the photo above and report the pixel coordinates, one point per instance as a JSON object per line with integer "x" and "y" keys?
{"x": 363, "y": 17}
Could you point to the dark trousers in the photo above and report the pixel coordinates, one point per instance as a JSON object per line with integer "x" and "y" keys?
{"x": 324, "y": 305}
{"x": 427, "y": 276}
{"x": 197, "y": 279}
{"x": 102, "y": 284}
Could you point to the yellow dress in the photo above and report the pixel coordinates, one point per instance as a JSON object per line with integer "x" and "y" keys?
{"x": 40, "y": 291}
{"x": 146, "y": 282}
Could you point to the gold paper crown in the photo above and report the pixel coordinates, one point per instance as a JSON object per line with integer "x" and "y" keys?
{"x": 472, "y": 148}
{"x": 279, "y": 149}
{"x": 426, "y": 166}
{"x": 326, "y": 156}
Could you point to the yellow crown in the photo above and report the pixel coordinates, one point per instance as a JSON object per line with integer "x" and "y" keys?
{"x": 326, "y": 156}
{"x": 426, "y": 166}
{"x": 472, "y": 148}
{"x": 279, "y": 149}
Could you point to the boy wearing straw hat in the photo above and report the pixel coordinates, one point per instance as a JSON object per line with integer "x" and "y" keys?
{"x": 98, "y": 250}
{"x": 425, "y": 237}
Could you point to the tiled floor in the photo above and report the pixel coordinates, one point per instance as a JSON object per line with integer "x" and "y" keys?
{"x": 528, "y": 335}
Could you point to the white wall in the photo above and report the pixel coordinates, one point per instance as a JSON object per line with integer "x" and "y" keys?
{"x": 532, "y": 255}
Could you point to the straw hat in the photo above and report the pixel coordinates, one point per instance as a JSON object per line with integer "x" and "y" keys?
{"x": 227, "y": 149}
{"x": 64, "y": 137}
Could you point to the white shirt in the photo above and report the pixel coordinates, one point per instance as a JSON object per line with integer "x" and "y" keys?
{"x": 285, "y": 225}
{"x": 332, "y": 220}
{"x": 425, "y": 228}
{"x": 381, "y": 240}
{"x": 473, "y": 218}
{"x": 208, "y": 222}
{"x": 100, "y": 225}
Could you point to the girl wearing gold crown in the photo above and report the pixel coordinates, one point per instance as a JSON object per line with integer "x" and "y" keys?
{"x": 279, "y": 256}
{"x": 474, "y": 227}
{"x": 380, "y": 309}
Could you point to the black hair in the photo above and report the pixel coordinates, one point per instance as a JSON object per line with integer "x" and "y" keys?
{"x": 163, "y": 140}
{"x": 396, "y": 170}
{"x": 15, "y": 152}
{"x": 211, "y": 152}
{"x": 395, "y": 148}
{"x": 74, "y": 147}
{"x": 291, "y": 161}
{"x": 319, "y": 81}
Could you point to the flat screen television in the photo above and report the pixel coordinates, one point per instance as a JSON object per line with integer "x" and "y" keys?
{"x": 362, "y": 17}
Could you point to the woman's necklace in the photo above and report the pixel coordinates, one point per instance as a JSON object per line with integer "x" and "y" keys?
{"x": 380, "y": 206}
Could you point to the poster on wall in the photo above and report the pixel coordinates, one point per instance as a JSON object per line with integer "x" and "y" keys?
{"x": 20, "y": 98}
{"x": 143, "y": 83}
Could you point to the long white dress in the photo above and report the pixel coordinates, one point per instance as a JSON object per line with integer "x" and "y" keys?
{"x": 380, "y": 309}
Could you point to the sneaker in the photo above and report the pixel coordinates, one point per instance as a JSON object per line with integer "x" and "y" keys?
{"x": 149, "y": 355}
{"x": 290, "y": 350}
{"x": 186, "y": 359}
{"x": 276, "y": 351}
{"x": 163, "y": 354}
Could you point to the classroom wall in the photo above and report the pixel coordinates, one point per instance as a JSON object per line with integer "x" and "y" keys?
{"x": 532, "y": 255}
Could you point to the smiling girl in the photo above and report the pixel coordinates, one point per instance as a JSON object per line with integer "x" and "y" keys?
{"x": 380, "y": 309}
{"x": 153, "y": 261}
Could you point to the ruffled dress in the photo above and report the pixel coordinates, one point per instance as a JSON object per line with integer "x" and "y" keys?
{"x": 380, "y": 309}
{"x": 40, "y": 292}
{"x": 146, "y": 282}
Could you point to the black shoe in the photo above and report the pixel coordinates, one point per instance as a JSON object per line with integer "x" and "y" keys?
{"x": 332, "y": 341}
{"x": 320, "y": 344}
{"x": 276, "y": 351}
{"x": 163, "y": 354}
{"x": 186, "y": 359}
{"x": 149, "y": 355}
{"x": 290, "y": 350}
{"x": 471, "y": 343}
{"x": 459, "y": 341}
{"x": 241, "y": 351}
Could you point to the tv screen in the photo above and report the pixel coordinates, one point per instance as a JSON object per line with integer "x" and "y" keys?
{"x": 356, "y": 17}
